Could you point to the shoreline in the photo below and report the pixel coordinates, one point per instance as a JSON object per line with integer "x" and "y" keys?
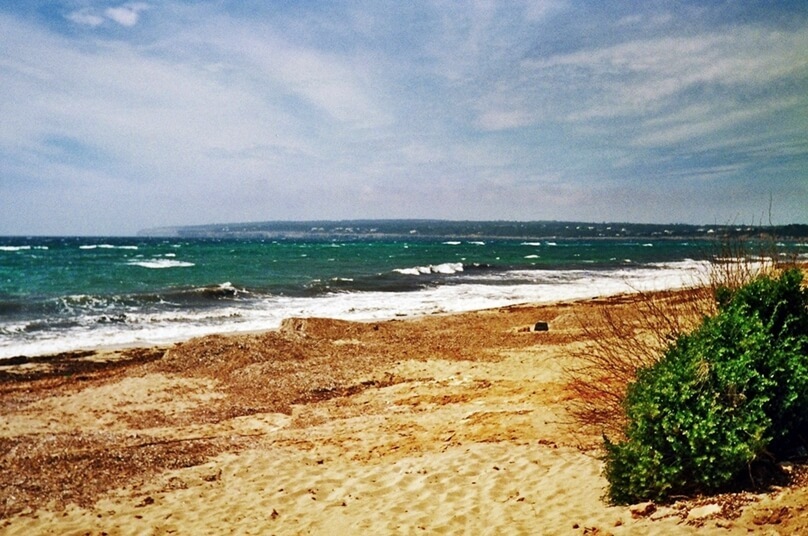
{"x": 442, "y": 423}
{"x": 164, "y": 345}
{"x": 361, "y": 306}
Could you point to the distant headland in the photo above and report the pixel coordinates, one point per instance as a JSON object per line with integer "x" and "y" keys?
{"x": 473, "y": 229}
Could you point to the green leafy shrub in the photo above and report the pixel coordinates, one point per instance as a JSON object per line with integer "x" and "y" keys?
{"x": 782, "y": 304}
{"x": 721, "y": 397}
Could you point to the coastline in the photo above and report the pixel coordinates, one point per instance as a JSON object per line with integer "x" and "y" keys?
{"x": 92, "y": 329}
{"x": 432, "y": 424}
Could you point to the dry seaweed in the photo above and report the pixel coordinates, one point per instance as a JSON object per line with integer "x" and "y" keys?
{"x": 307, "y": 361}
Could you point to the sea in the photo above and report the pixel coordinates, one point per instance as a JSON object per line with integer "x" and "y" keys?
{"x": 60, "y": 294}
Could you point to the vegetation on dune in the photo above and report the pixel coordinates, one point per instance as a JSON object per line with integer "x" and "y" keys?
{"x": 699, "y": 390}
{"x": 730, "y": 394}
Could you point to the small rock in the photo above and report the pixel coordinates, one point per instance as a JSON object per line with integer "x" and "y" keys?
{"x": 541, "y": 326}
{"x": 707, "y": 510}
{"x": 148, "y": 501}
{"x": 644, "y": 509}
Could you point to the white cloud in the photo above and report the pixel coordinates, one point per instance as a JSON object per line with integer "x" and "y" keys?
{"x": 469, "y": 45}
{"x": 143, "y": 112}
{"x": 465, "y": 111}
{"x": 127, "y": 14}
{"x": 697, "y": 122}
{"x": 504, "y": 119}
{"x": 345, "y": 87}
{"x": 538, "y": 10}
{"x": 664, "y": 106}
{"x": 635, "y": 77}
{"x": 645, "y": 20}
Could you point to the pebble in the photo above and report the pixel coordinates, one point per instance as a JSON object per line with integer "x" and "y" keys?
{"x": 707, "y": 510}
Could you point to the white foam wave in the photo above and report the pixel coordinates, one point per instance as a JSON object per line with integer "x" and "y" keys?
{"x": 445, "y": 268}
{"x": 488, "y": 290}
{"x": 106, "y": 246}
{"x": 12, "y": 249}
{"x": 161, "y": 263}
{"x": 452, "y": 243}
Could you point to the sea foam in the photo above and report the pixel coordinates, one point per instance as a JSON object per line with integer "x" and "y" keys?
{"x": 161, "y": 263}
{"x": 445, "y": 268}
{"x": 267, "y": 312}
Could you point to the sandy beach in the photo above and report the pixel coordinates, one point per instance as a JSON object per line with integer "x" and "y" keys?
{"x": 448, "y": 424}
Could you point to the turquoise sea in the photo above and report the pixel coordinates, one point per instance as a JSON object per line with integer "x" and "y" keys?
{"x": 66, "y": 293}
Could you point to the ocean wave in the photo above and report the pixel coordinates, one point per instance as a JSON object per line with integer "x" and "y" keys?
{"x": 86, "y": 301}
{"x": 12, "y": 249}
{"x": 445, "y": 268}
{"x": 169, "y": 317}
{"x": 115, "y": 308}
{"x": 225, "y": 290}
{"x": 161, "y": 263}
{"x": 105, "y": 246}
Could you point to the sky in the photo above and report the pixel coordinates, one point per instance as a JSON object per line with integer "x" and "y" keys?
{"x": 120, "y": 116}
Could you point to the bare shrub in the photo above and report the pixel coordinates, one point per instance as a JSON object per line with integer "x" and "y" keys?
{"x": 735, "y": 263}
{"x": 623, "y": 335}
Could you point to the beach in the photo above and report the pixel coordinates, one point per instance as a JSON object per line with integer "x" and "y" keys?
{"x": 440, "y": 424}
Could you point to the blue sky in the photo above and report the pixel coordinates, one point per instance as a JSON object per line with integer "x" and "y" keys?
{"x": 120, "y": 116}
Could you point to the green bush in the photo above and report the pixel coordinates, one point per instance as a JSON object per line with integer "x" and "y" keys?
{"x": 782, "y": 304}
{"x": 720, "y": 398}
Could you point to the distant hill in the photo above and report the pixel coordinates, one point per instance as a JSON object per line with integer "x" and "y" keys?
{"x": 471, "y": 229}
